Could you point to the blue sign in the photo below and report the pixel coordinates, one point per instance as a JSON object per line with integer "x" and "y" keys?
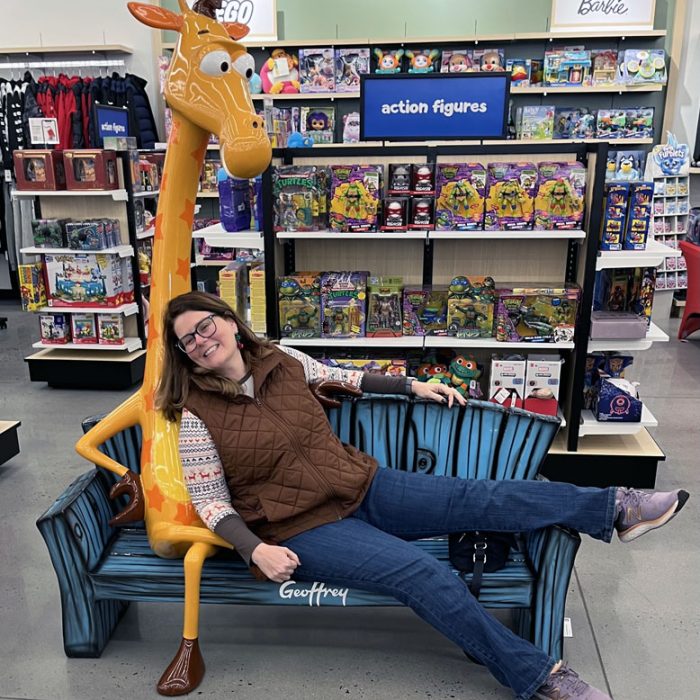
{"x": 438, "y": 106}
{"x": 111, "y": 121}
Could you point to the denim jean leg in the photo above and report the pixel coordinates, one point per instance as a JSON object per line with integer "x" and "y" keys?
{"x": 411, "y": 505}
{"x": 352, "y": 553}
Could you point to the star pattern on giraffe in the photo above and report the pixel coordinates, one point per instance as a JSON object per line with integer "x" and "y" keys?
{"x": 183, "y": 268}
{"x": 155, "y": 498}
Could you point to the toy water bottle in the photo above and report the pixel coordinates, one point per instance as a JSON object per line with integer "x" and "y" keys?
{"x": 234, "y": 202}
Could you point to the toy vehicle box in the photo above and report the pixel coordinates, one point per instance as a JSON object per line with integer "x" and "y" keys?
{"x": 384, "y": 306}
{"x": 510, "y": 202}
{"x": 110, "y": 329}
{"x": 470, "y": 307}
{"x": 355, "y": 191}
{"x": 299, "y": 300}
{"x": 561, "y": 196}
{"x": 542, "y": 384}
{"x": 84, "y": 327}
{"x": 343, "y": 304}
{"x": 507, "y": 381}
{"x": 350, "y": 64}
{"x": 55, "y": 329}
{"x": 317, "y": 70}
{"x": 425, "y": 311}
{"x": 39, "y": 170}
{"x": 461, "y": 191}
{"x": 88, "y": 169}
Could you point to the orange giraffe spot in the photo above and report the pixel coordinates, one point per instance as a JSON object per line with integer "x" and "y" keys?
{"x": 183, "y": 268}
{"x": 185, "y": 513}
{"x": 146, "y": 448}
{"x": 155, "y": 498}
{"x": 159, "y": 228}
{"x": 187, "y": 214}
{"x": 199, "y": 152}
{"x": 164, "y": 183}
{"x": 149, "y": 400}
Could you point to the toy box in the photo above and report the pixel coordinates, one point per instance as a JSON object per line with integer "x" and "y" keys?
{"x": 354, "y": 203}
{"x": 300, "y": 198}
{"x": 618, "y": 402}
{"x": 639, "y": 123}
{"x": 208, "y": 179}
{"x": 470, "y": 307}
{"x": 49, "y": 233}
{"x": 110, "y": 329}
{"x": 55, "y": 329}
{"x": 567, "y": 68}
{"x": 88, "y": 169}
{"x": 629, "y": 289}
{"x": 542, "y": 384}
{"x": 233, "y": 285}
{"x": 120, "y": 143}
{"x": 616, "y": 199}
{"x": 317, "y": 70}
{"x": 318, "y": 123}
{"x": 524, "y": 71}
{"x": 31, "y": 286}
{"x": 422, "y": 217}
{"x": 638, "y": 215}
{"x": 574, "y": 123}
{"x": 384, "y": 307}
{"x": 604, "y": 67}
{"x": 639, "y": 66}
{"x": 299, "y": 300}
{"x": 39, "y": 170}
{"x": 511, "y": 189}
{"x": 490, "y": 60}
{"x": 280, "y": 122}
{"x": 350, "y": 64}
{"x": 561, "y": 196}
{"x": 534, "y": 123}
{"x": 425, "y": 311}
{"x": 343, "y": 304}
{"x": 84, "y": 328}
{"x": 388, "y": 62}
{"x": 88, "y": 279}
{"x": 399, "y": 178}
{"x": 87, "y": 235}
{"x": 351, "y": 127}
{"x": 389, "y": 368}
{"x": 611, "y": 123}
{"x": 458, "y": 61}
{"x": 617, "y": 324}
{"x": 537, "y": 314}
{"x": 234, "y": 202}
{"x": 507, "y": 381}
{"x": 395, "y": 214}
{"x": 258, "y": 306}
{"x": 423, "y": 178}
{"x": 461, "y": 189}
{"x": 422, "y": 60}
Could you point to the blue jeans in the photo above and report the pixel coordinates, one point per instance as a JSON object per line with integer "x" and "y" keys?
{"x": 371, "y": 550}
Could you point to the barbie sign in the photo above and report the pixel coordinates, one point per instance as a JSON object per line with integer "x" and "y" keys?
{"x": 602, "y": 15}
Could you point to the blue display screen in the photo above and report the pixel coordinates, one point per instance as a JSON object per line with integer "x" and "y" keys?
{"x": 439, "y": 106}
{"x": 111, "y": 121}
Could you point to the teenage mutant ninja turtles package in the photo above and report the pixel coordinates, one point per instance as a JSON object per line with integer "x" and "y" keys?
{"x": 560, "y": 196}
{"x": 510, "y": 201}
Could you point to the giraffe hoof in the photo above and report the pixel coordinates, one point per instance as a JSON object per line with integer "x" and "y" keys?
{"x": 185, "y": 671}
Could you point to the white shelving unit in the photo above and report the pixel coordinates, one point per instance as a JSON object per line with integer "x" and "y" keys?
{"x": 116, "y": 195}
{"x": 435, "y": 341}
{"x": 123, "y": 251}
{"x": 367, "y": 235}
{"x": 146, "y": 193}
{"x": 216, "y": 237}
{"x": 653, "y": 256}
{"x": 126, "y": 309}
{"x": 654, "y": 335}
{"x": 506, "y": 235}
{"x": 591, "y": 426}
{"x": 423, "y": 342}
{"x": 130, "y": 345}
{"x": 406, "y": 342}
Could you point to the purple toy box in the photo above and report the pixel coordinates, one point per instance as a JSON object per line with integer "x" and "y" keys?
{"x": 560, "y": 196}
{"x": 343, "y": 304}
{"x": 461, "y": 189}
{"x": 355, "y": 191}
{"x": 510, "y": 200}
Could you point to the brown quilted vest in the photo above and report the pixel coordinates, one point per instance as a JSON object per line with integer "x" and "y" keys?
{"x": 286, "y": 469}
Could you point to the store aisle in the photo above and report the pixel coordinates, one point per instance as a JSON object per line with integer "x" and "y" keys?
{"x": 634, "y": 609}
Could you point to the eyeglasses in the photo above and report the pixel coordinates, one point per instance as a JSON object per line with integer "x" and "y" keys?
{"x": 204, "y": 329}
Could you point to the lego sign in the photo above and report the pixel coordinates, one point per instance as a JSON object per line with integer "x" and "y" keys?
{"x": 439, "y": 106}
{"x": 606, "y": 15}
{"x": 259, "y": 15}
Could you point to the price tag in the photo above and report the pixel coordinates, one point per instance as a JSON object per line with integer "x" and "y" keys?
{"x": 8, "y": 176}
{"x": 281, "y": 68}
{"x": 568, "y": 629}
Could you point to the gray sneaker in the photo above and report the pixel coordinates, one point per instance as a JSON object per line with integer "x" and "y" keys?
{"x": 641, "y": 511}
{"x": 566, "y": 685}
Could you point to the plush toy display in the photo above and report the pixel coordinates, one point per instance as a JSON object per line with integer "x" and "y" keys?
{"x": 280, "y": 74}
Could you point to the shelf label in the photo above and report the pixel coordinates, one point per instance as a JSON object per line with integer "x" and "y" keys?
{"x": 434, "y": 107}
{"x": 602, "y": 15}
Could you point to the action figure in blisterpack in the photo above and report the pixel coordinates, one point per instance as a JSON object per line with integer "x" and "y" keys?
{"x": 560, "y": 199}
{"x": 526, "y": 315}
{"x": 459, "y": 197}
{"x": 386, "y": 313}
{"x": 304, "y": 317}
{"x": 510, "y": 198}
{"x": 471, "y": 318}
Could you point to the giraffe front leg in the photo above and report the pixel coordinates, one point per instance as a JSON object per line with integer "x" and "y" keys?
{"x": 186, "y": 670}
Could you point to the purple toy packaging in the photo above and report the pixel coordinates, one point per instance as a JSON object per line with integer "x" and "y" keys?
{"x": 461, "y": 189}
{"x": 425, "y": 311}
{"x": 561, "y": 196}
{"x": 234, "y": 202}
{"x": 350, "y": 64}
{"x": 343, "y": 304}
{"x": 510, "y": 202}
{"x": 616, "y": 197}
{"x": 355, "y": 193}
{"x": 317, "y": 69}
{"x": 638, "y": 215}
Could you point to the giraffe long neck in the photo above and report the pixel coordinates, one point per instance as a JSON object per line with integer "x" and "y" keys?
{"x": 170, "y": 272}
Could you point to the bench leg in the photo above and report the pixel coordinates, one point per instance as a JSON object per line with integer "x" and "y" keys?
{"x": 186, "y": 670}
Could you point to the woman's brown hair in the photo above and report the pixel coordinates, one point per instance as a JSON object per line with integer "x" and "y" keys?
{"x": 179, "y": 370}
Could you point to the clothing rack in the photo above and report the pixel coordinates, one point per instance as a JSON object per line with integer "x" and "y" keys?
{"x": 98, "y": 63}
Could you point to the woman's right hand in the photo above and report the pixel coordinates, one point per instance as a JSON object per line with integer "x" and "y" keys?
{"x": 277, "y": 563}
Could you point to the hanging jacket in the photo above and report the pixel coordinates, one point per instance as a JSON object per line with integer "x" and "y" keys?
{"x": 142, "y": 123}
{"x": 285, "y": 468}
{"x": 30, "y": 107}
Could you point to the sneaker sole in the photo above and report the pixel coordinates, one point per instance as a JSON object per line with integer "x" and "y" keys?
{"x": 648, "y": 525}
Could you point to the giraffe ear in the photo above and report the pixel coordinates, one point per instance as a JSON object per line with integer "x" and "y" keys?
{"x": 236, "y": 30}
{"x": 156, "y": 17}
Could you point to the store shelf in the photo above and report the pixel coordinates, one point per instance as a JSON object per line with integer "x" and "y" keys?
{"x": 406, "y": 342}
{"x": 506, "y": 235}
{"x": 82, "y": 49}
{"x": 694, "y": 171}
{"x": 554, "y": 90}
{"x": 146, "y": 234}
{"x": 131, "y": 345}
{"x": 359, "y": 236}
{"x": 199, "y": 261}
{"x": 433, "y": 341}
{"x": 147, "y": 193}
{"x": 126, "y": 309}
{"x": 207, "y": 195}
{"x": 116, "y": 195}
{"x": 653, "y": 256}
{"x": 654, "y": 335}
{"x": 123, "y": 251}
{"x": 309, "y": 96}
{"x": 216, "y": 237}
{"x": 530, "y": 142}
{"x": 590, "y": 426}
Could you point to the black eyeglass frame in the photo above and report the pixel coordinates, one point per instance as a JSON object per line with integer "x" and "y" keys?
{"x": 180, "y": 345}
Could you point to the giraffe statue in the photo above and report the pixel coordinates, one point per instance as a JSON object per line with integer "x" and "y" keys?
{"x": 207, "y": 90}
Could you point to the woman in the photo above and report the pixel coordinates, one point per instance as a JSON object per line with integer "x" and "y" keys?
{"x": 267, "y": 474}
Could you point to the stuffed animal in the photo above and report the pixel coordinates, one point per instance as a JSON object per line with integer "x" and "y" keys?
{"x": 274, "y": 83}
{"x": 297, "y": 140}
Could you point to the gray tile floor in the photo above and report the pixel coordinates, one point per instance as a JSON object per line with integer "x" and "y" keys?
{"x": 634, "y": 608}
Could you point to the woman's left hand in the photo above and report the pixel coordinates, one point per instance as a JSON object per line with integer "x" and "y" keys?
{"x": 438, "y": 392}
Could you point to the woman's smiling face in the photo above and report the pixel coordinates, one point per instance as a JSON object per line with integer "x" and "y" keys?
{"x": 215, "y": 351}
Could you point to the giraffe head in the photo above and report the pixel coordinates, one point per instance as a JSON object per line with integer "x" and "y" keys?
{"x": 208, "y": 84}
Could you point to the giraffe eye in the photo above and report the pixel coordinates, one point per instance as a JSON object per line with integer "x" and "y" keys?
{"x": 216, "y": 63}
{"x": 245, "y": 65}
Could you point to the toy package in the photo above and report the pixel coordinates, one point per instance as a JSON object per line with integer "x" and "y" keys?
{"x": 458, "y": 61}
{"x": 110, "y": 329}
{"x": 280, "y": 73}
{"x": 37, "y": 169}
{"x": 317, "y": 70}
{"x": 89, "y": 235}
{"x": 350, "y": 64}
{"x": 534, "y": 123}
{"x": 422, "y": 60}
{"x": 49, "y": 233}
{"x": 31, "y": 286}
{"x": 561, "y": 196}
{"x": 395, "y": 214}
{"x": 422, "y": 215}
{"x": 507, "y": 381}
{"x": 604, "y": 71}
{"x": 354, "y": 201}
{"x": 280, "y": 123}
{"x": 399, "y": 178}
{"x": 618, "y": 401}
{"x": 461, "y": 190}
{"x": 55, "y": 329}
{"x": 234, "y": 202}
{"x": 524, "y": 71}
{"x": 299, "y": 298}
{"x": 490, "y": 60}
{"x": 616, "y": 198}
{"x": 638, "y": 215}
{"x": 425, "y": 311}
{"x": 300, "y": 198}
{"x": 611, "y": 124}
{"x": 318, "y": 123}
{"x": 258, "y": 302}
{"x": 629, "y": 289}
{"x": 639, "y": 123}
{"x": 388, "y": 62}
{"x": 351, "y": 127}
{"x": 537, "y": 314}
{"x": 574, "y": 123}
{"x": 542, "y": 383}
{"x": 233, "y": 285}
{"x": 510, "y": 201}
{"x": 389, "y": 368}
{"x": 84, "y": 329}
{"x": 423, "y": 178}
{"x": 567, "y": 68}
{"x": 384, "y": 307}
{"x": 639, "y": 66}
{"x": 90, "y": 169}
{"x": 625, "y": 166}
{"x": 470, "y": 307}
{"x": 343, "y": 304}
{"x": 208, "y": 179}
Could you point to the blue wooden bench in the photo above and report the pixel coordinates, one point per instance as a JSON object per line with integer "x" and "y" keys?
{"x": 101, "y": 569}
